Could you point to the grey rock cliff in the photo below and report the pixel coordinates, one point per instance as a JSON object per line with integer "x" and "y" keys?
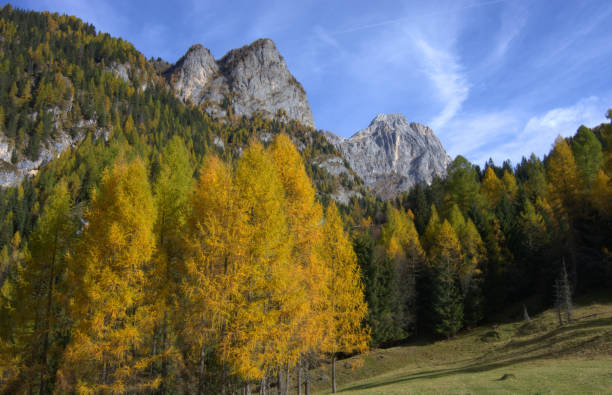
{"x": 392, "y": 154}
{"x": 12, "y": 175}
{"x": 254, "y": 79}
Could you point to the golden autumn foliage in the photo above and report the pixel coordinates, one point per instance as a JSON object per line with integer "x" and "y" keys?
{"x": 601, "y": 194}
{"x": 240, "y": 274}
{"x": 171, "y": 193}
{"x": 433, "y": 226}
{"x": 215, "y": 243}
{"x": 275, "y": 295}
{"x": 304, "y": 216}
{"x": 471, "y": 244}
{"x": 261, "y": 280}
{"x": 400, "y": 236}
{"x": 347, "y": 306}
{"x": 400, "y": 240}
{"x": 491, "y": 188}
{"x": 510, "y": 186}
{"x": 563, "y": 176}
{"x": 107, "y": 352}
{"x": 447, "y": 248}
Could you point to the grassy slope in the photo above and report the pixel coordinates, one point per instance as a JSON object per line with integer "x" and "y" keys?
{"x": 540, "y": 357}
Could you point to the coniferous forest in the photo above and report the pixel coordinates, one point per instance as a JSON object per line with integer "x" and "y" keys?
{"x": 147, "y": 258}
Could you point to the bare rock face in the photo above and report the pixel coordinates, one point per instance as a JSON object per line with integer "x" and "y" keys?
{"x": 391, "y": 155}
{"x": 193, "y": 72}
{"x": 12, "y": 175}
{"x": 253, "y": 79}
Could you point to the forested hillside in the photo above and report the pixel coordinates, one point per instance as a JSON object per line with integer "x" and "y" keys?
{"x": 483, "y": 239}
{"x": 160, "y": 250}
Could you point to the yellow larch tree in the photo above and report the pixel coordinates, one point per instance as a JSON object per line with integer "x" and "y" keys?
{"x": 215, "y": 286}
{"x": 347, "y": 307}
{"x": 401, "y": 242}
{"x": 491, "y": 188}
{"x": 510, "y": 186}
{"x": 472, "y": 247}
{"x": 304, "y": 219}
{"x": 171, "y": 193}
{"x": 564, "y": 180}
{"x": 446, "y": 247}
{"x": 107, "y": 352}
{"x": 431, "y": 230}
{"x": 601, "y": 194}
{"x": 261, "y": 332}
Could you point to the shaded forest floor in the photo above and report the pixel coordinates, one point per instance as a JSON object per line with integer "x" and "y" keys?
{"x": 515, "y": 357}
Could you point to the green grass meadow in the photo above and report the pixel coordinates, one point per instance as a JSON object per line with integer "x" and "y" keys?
{"x": 539, "y": 357}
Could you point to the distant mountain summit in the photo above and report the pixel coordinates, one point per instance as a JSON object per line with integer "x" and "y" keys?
{"x": 393, "y": 154}
{"x": 252, "y": 79}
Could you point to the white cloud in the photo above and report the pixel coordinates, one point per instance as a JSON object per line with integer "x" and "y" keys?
{"x": 445, "y": 72}
{"x": 507, "y": 135}
{"x": 469, "y": 135}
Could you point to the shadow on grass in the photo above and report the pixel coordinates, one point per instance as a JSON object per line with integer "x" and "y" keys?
{"x": 587, "y": 329}
{"x": 573, "y": 326}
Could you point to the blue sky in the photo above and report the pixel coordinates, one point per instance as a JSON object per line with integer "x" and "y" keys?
{"x": 493, "y": 78}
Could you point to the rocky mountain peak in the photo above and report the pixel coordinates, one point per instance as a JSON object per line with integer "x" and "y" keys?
{"x": 393, "y": 154}
{"x": 254, "y": 77}
{"x": 192, "y": 72}
{"x": 389, "y": 119}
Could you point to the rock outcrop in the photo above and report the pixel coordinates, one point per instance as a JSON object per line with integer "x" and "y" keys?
{"x": 12, "y": 175}
{"x": 392, "y": 154}
{"x": 252, "y": 79}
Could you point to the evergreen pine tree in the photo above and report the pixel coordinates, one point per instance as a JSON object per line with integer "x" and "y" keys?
{"x": 588, "y": 154}
{"x": 447, "y": 303}
{"x": 40, "y": 299}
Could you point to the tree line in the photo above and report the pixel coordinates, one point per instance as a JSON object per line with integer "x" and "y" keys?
{"x": 235, "y": 281}
{"x": 449, "y": 255}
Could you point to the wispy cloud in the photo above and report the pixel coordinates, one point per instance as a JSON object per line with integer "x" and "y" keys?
{"x": 446, "y": 74}
{"x": 416, "y": 16}
{"x": 513, "y": 20}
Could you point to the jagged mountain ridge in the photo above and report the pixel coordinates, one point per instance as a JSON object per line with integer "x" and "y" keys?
{"x": 392, "y": 154}
{"x": 253, "y": 79}
{"x": 250, "y": 80}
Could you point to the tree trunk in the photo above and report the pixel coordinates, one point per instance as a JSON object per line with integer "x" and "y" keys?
{"x": 334, "y": 374}
{"x": 280, "y": 380}
{"x": 287, "y": 379}
{"x": 306, "y": 379}
{"x": 558, "y": 302}
{"x": 262, "y": 386}
{"x": 164, "y": 367}
{"x": 223, "y": 381}
{"x": 299, "y": 377}
{"x": 201, "y": 378}
{"x": 247, "y": 388}
{"x": 43, "y": 354}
